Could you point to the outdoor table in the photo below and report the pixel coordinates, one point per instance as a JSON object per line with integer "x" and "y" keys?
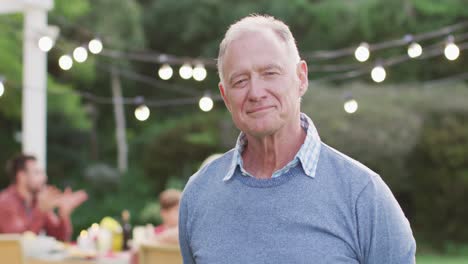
{"x": 117, "y": 258}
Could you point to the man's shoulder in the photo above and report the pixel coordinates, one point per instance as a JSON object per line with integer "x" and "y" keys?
{"x": 213, "y": 172}
{"x": 7, "y": 199}
{"x": 6, "y": 194}
{"x": 345, "y": 168}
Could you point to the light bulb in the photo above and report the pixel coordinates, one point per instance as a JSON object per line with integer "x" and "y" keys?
{"x": 2, "y": 88}
{"x": 199, "y": 72}
{"x": 362, "y": 52}
{"x": 451, "y": 51}
{"x": 142, "y": 113}
{"x": 186, "y": 71}
{"x": 351, "y": 106}
{"x": 95, "y": 46}
{"x": 205, "y": 103}
{"x": 45, "y": 43}
{"x": 65, "y": 62}
{"x": 165, "y": 72}
{"x": 378, "y": 74}
{"x": 414, "y": 50}
{"x": 80, "y": 54}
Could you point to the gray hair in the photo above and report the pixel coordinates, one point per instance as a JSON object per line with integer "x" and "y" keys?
{"x": 256, "y": 23}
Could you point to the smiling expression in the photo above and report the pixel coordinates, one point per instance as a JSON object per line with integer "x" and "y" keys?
{"x": 262, "y": 83}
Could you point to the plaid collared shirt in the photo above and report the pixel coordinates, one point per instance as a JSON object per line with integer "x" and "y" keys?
{"x": 307, "y": 155}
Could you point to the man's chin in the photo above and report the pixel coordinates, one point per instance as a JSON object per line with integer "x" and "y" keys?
{"x": 264, "y": 131}
{"x": 264, "y": 127}
{"x": 34, "y": 190}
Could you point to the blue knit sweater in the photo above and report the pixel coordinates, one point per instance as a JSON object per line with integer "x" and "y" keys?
{"x": 346, "y": 214}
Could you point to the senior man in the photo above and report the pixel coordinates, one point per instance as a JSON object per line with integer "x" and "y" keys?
{"x": 282, "y": 195}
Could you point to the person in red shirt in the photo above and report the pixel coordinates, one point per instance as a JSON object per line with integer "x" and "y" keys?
{"x": 28, "y": 204}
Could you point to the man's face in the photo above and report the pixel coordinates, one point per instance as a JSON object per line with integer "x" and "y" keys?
{"x": 34, "y": 177}
{"x": 170, "y": 216}
{"x": 262, "y": 83}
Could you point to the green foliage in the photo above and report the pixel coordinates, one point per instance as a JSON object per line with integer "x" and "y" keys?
{"x": 386, "y": 126}
{"x": 131, "y": 193}
{"x": 10, "y": 64}
{"x": 62, "y": 100}
{"x": 118, "y": 31}
{"x": 441, "y": 8}
{"x": 439, "y": 170}
{"x": 151, "y": 213}
{"x": 71, "y": 10}
{"x": 180, "y": 147}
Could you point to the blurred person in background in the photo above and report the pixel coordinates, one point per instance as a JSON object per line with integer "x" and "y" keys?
{"x": 29, "y": 204}
{"x": 168, "y": 232}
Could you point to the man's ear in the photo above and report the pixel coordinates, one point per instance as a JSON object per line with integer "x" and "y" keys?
{"x": 303, "y": 75}
{"x": 223, "y": 94}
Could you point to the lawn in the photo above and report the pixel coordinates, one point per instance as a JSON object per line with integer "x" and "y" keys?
{"x": 435, "y": 259}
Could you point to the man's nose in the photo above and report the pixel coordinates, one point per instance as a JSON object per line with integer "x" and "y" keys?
{"x": 257, "y": 90}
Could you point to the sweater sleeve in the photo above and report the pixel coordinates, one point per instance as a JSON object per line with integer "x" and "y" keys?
{"x": 184, "y": 241}
{"x": 384, "y": 233}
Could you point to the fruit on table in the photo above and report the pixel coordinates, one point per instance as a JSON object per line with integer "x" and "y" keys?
{"x": 115, "y": 228}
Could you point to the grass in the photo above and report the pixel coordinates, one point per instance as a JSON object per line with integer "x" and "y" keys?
{"x": 438, "y": 259}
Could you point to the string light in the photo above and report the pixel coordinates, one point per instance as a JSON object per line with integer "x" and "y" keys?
{"x": 414, "y": 50}
{"x": 80, "y": 54}
{"x": 45, "y": 43}
{"x": 142, "y": 113}
{"x": 362, "y": 52}
{"x": 65, "y": 62}
{"x": 95, "y": 46}
{"x": 2, "y": 87}
{"x": 186, "y": 71}
{"x": 350, "y": 105}
{"x": 378, "y": 74}
{"x": 327, "y": 54}
{"x": 165, "y": 72}
{"x": 199, "y": 72}
{"x": 206, "y": 103}
{"x": 451, "y": 50}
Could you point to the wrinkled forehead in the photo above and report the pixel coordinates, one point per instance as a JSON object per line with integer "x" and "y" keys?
{"x": 254, "y": 35}
{"x": 254, "y": 47}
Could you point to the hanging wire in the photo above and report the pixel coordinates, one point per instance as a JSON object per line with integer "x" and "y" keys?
{"x": 158, "y": 84}
{"x": 333, "y": 54}
{"x": 158, "y": 57}
{"x": 350, "y": 70}
{"x": 124, "y": 100}
{"x": 386, "y": 63}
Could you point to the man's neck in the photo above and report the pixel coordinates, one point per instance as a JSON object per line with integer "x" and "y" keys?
{"x": 265, "y": 155}
{"x": 25, "y": 194}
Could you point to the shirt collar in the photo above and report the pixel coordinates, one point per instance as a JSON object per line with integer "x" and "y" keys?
{"x": 307, "y": 155}
{"x": 13, "y": 190}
